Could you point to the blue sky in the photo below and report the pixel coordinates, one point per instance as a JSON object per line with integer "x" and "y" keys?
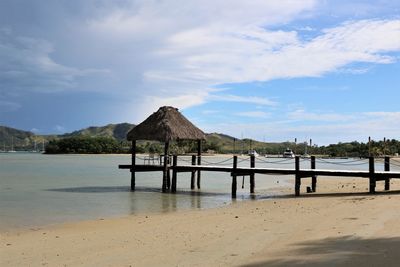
{"x": 269, "y": 70}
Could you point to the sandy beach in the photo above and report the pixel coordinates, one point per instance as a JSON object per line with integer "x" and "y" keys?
{"x": 340, "y": 225}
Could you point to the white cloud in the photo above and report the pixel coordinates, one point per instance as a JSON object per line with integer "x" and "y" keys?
{"x": 162, "y": 52}
{"x": 243, "y": 99}
{"x": 253, "y": 114}
{"x": 355, "y": 126}
{"x": 59, "y": 128}
{"x": 302, "y": 115}
{"x": 26, "y": 64}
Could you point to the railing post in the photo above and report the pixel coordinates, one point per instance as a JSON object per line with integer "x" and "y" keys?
{"x": 165, "y": 169}
{"x": 193, "y": 177}
{"x": 372, "y": 178}
{"x": 314, "y": 177}
{"x": 174, "y": 173}
{"x": 252, "y": 175}
{"x": 297, "y": 177}
{"x": 198, "y": 162}
{"x": 133, "y": 164}
{"x": 387, "y": 169}
{"x": 234, "y": 180}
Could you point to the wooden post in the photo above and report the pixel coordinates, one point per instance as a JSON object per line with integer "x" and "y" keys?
{"x": 133, "y": 164}
{"x": 198, "y": 162}
{"x": 192, "y": 180}
{"x": 234, "y": 180}
{"x": 252, "y": 175}
{"x": 372, "y": 178}
{"x": 297, "y": 177}
{"x": 165, "y": 170}
{"x": 387, "y": 169}
{"x": 174, "y": 173}
{"x": 314, "y": 177}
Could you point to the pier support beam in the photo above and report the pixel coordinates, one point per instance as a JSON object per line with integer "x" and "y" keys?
{"x": 193, "y": 177}
{"x": 198, "y": 163}
{"x": 133, "y": 163}
{"x": 234, "y": 177}
{"x": 314, "y": 177}
{"x": 165, "y": 170}
{"x": 372, "y": 178}
{"x": 297, "y": 177}
{"x": 174, "y": 174}
{"x": 252, "y": 175}
{"x": 387, "y": 169}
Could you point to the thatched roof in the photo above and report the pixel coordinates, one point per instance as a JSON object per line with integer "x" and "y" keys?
{"x": 165, "y": 125}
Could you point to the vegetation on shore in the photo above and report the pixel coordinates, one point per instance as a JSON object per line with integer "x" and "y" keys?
{"x": 111, "y": 139}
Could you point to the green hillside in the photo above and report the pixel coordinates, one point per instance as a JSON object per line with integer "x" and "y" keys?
{"x": 114, "y": 135}
{"x": 117, "y": 131}
{"x": 10, "y": 137}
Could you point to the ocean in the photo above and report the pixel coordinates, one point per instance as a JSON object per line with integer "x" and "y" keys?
{"x": 38, "y": 190}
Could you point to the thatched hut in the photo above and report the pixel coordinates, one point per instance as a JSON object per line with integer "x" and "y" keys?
{"x": 165, "y": 125}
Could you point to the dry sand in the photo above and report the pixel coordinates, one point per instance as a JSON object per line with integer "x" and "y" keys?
{"x": 330, "y": 228}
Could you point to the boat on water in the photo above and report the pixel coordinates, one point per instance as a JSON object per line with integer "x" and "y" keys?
{"x": 288, "y": 153}
{"x": 252, "y": 152}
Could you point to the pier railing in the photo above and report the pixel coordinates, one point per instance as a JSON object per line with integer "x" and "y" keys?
{"x": 231, "y": 165}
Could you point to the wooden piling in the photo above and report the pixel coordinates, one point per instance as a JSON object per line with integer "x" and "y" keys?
{"x": 234, "y": 177}
{"x": 133, "y": 163}
{"x": 314, "y": 177}
{"x": 387, "y": 169}
{"x": 297, "y": 176}
{"x": 198, "y": 163}
{"x": 193, "y": 177}
{"x": 372, "y": 178}
{"x": 174, "y": 173}
{"x": 252, "y": 175}
{"x": 165, "y": 169}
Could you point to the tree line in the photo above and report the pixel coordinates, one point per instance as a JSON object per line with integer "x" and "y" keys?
{"x": 105, "y": 145}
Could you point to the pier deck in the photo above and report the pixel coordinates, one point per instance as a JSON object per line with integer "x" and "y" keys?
{"x": 235, "y": 171}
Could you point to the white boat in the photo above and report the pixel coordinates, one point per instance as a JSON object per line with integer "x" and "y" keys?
{"x": 252, "y": 152}
{"x": 288, "y": 153}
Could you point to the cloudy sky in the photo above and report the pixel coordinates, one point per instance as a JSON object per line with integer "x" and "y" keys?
{"x": 270, "y": 70}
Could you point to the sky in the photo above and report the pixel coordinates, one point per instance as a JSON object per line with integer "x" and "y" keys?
{"x": 274, "y": 71}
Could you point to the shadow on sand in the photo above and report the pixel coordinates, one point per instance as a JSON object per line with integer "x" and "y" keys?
{"x": 340, "y": 251}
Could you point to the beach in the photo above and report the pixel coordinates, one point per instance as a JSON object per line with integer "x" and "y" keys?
{"x": 340, "y": 225}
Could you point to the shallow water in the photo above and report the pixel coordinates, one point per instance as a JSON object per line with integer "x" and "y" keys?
{"x": 38, "y": 189}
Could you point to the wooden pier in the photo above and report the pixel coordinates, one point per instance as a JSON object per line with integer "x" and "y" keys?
{"x": 235, "y": 171}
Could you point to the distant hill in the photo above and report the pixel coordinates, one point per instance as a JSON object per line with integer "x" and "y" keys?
{"x": 218, "y": 142}
{"x": 13, "y": 137}
{"x": 117, "y": 131}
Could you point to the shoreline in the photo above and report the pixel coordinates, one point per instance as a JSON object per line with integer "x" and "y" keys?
{"x": 340, "y": 225}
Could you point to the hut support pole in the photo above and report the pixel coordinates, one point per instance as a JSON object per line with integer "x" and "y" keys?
{"x": 133, "y": 163}
{"x": 165, "y": 170}
{"x": 297, "y": 177}
{"x": 193, "y": 177}
{"x": 198, "y": 163}
{"x": 234, "y": 178}
{"x": 252, "y": 175}
{"x": 314, "y": 177}
{"x": 372, "y": 178}
{"x": 387, "y": 169}
{"x": 174, "y": 174}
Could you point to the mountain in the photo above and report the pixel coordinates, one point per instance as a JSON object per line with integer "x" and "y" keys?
{"x": 24, "y": 140}
{"x": 117, "y": 131}
{"x": 13, "y": 137}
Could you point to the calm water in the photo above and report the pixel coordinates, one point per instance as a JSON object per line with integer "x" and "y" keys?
{"x": 38, "y": 189}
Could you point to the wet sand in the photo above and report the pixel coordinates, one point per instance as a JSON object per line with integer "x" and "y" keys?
{"x": 340, "y": 225}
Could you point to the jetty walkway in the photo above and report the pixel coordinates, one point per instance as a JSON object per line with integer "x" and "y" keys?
{"x": 195, "y": 166}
